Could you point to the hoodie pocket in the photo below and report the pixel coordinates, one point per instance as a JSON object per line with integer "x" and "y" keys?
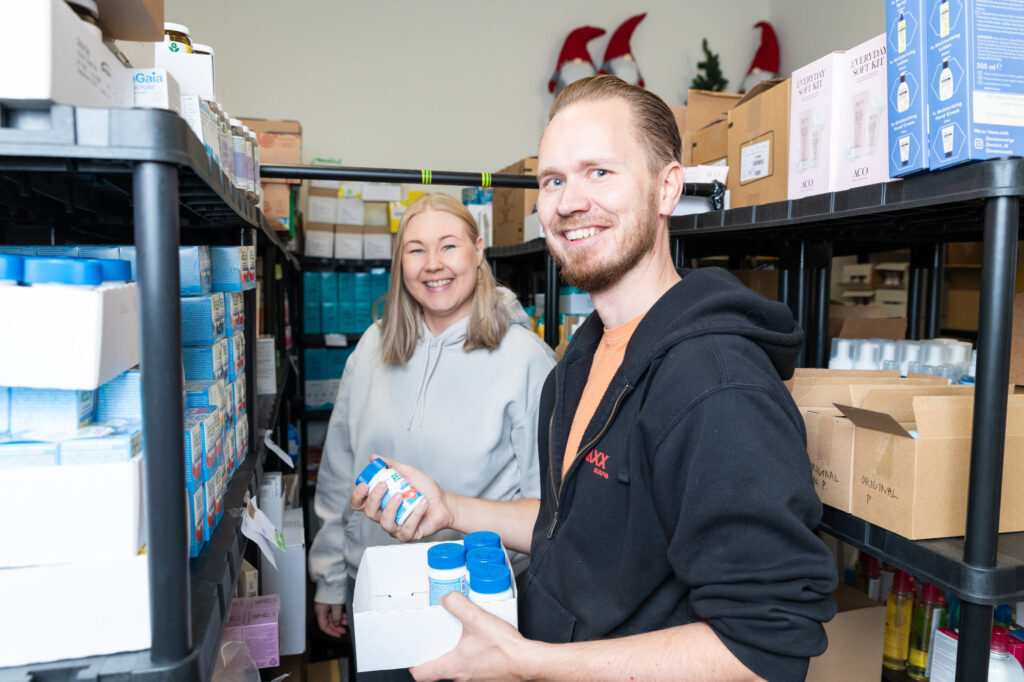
{"x": 541, "y": 616}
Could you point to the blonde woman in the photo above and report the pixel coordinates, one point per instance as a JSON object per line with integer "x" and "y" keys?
{"x": 448, "y": 380}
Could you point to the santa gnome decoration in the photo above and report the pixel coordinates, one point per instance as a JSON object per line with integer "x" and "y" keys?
{"x": 574, "y": 61}
{"x": 766, "y": 59}
{"x": 618, "y": 58}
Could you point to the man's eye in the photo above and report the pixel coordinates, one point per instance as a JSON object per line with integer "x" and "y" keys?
{"x": 600, "y": 172}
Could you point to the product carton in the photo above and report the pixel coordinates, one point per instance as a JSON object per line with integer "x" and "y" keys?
{"x": 255, "y": 621}
{"x": 759, "y": 148}
{"x": 349, "y": 211}
{"x": 381, "y": 191}
{"x": 196, "y": 520}
{"x": 202, "y": 319}
{"x": 154, "y": 89}
{"x": 103, "y": 444}
{"x": 855, "y": 639}
{"x": 208, "y": 421}
{"x": 395, "y": 626}
{"x": 511, "y": 206}
{"x": 975, "y": 81}
{"x": 280, "y": 144}
{"x": 320, "y": 240}
{"x": 710, "y": 144}
{"x": 194, "y": 270}
{"x": 234, "y": 313}
{"x": 816, "y": 100}
{"x": 50, "y": 410}
{"x": 377, "y": 243}
{"x": 194, "y": 72}
{"x": 277, "y": 203}
{"x": 5, "y": 409}
{"x": 248, "y": 581}
{"x": 704, "y": 107}
{"x": 912, "y": 457}
{"x": 348, "y": 242}
{"x": 236, "y": 356}
{"x": 907, "y": 52}
{"x": 322, "y": 206}
{"x": 862, "y": 156}
{"x": 207, "y": 394}
{"x": 206, "y": 363}
{"x": 193, "y": 455}
{"x": 120, "y": 398}
{"x": 229, "y": 269}
{"x": 317, "y": 389}
{"x": 288, "y": 581}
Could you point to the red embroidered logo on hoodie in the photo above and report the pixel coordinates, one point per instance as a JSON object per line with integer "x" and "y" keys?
{"x": 598, "y": 459}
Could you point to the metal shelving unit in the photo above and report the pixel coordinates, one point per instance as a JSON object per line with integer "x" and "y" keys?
{"x": 969, "y": 202}
{"x": 90, "y": 176}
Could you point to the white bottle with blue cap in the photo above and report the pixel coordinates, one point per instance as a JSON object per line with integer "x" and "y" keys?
{"x": 12, "y": 269}
{"x": 377, "y": 471}
{"x": 490, "y": 582}
{"x": 446, "y": 570}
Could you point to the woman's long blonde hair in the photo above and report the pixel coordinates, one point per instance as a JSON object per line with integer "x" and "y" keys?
{"x": 401, "y": 319}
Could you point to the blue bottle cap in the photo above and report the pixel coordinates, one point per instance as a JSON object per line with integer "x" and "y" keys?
{"x": 12, "y": 267}
{"x": 115, "y": 270}
{"x": 446, "y": 555}
{"x": 371, "y": 469}
{"x": 481, "y": 538}
{"x": 42, "y": 270}
{"x": 490, "y": 579}
{"x": 484, "y": 555}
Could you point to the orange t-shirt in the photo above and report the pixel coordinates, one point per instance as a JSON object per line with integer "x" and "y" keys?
{"x": 607, "y": 358}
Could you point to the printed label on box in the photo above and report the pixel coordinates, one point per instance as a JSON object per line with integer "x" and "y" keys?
{"x": 755, "y": 161}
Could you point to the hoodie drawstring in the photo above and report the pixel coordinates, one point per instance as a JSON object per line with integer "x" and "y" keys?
{"x": 420, "y": 405}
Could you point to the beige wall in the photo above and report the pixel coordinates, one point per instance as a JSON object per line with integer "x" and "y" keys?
{"x": 809, "y": 29}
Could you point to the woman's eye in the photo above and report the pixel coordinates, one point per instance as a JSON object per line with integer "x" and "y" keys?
{"x": 447, "y": 247}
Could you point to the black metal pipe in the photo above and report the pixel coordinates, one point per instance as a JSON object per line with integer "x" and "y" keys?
{"x": 155, "y": 198}
{"x": 551, "y": 317}
{"x": 914, "y": 303}
{"x": 973, "y": 642}
{"x": 933, "y": 305}
{"x": 801, "y": 298}
{"x": 678, "y": 252}
{"x": 822, "y": 296}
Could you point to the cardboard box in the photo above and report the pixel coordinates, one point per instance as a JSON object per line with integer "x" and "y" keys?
{"x": 679, "y": 112}
{"x": 319, "y": 240}
{"x": 277, "y": 204}
{"x": 917, "y": 486}
{"x": 248, "y": 581}
{"x": 381, "y": 191}
{"x": 511, "y": 206}
{"x": 280, "y": 144}
{"x": 894, "y": 328}
{"x": 975, "y": 82}
{"x": 395, "y": 626}
{"x": 348, "y": 242}
{"x": 855, "y": 640}
{"x": 862, "y": 156}
{"x": 141, "y": 20}
{"x": 1017, "y": 342}
{"x": 759, "y": 145}
{"x": 893, "y": 302}
{"x": 377, "y": 242}
{"x": 704, "y": 107}
{"x": 907, "y": 51}
{"x": 349, "y": 211}
{"x": 288, "y": 581}
{"x": 322, "y": 206}
{"x": 710, "y": 144}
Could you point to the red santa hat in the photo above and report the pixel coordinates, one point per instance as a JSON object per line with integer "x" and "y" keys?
{"x": 767, "y": 56}
{"x": 575, "y": 47}
{"x": 618, "y": 46}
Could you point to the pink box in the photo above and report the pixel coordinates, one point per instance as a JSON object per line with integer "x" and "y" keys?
{"x": 862, "y": 156}
{"x": 813, "y": 134}
{"x": 253, "y": 620}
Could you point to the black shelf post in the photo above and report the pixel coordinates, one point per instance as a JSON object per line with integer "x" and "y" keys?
{"x": 933, "y": 304}
{"x": 551, "y": 302}
{"x": 995, "y": 320}
{"x": 155, "y": 195}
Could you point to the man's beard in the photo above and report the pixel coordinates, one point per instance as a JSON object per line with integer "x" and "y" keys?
{"x": 581, "y": 270}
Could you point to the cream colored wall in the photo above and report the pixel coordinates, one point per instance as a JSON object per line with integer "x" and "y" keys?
{"x": 809, "y": 29}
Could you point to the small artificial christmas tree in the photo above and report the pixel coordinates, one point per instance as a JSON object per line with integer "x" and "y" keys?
{"x": 712, "y": 78}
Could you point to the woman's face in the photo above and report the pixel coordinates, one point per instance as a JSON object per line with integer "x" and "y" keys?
{"x": 439, "y": 267}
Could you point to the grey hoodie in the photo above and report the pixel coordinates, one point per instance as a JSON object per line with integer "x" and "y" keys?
{"x": 469, "y": 420}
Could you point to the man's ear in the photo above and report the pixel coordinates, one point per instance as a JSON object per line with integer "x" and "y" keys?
{"x": 671, "y": 187}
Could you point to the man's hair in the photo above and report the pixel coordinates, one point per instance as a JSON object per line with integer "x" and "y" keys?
{"x": 401, "y": 320}
{"x": 655, "y": 126}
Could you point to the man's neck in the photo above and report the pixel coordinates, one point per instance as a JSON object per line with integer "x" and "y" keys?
{"x": 639, "y": 289}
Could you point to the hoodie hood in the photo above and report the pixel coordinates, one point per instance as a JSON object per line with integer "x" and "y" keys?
{"x": 708, "y": 301}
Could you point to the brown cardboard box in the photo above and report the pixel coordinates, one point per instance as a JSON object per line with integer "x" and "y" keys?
{"x": 679, "y": 112}
{"x": 838, "y": 314}
{"x": 511, "y": 206}
{"x": 280, "y": 143}
{"x": 710, "y": 144}
{"x": 868, "y": 328}
{"x": 764, "y": 282}
{"x": 855, "y": 640}
{"x": 1017, "y": 342}
{"x": 964, "y": 253}
{"x": 704, "y": 107}
{"x": 892, "y": 301}
{"x": 759, "y": 145}
{"x": 139, "y": 20}
{"x": 917, "y": 486}
{"x": 277, "y": 205}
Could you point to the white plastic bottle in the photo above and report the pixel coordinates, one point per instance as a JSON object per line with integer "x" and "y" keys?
{"x": 481, "y": 538}
{"x": 375, "y": 472}
{"x": 1002, "y": 666}
{"x": 490, "y": 582}
{"x": 945, "y": 81}
{"x": 446, "y": 570}
{"x": 903, "y": 94}
{"x": 947, "y": 141}
{"x": 943, "y": 18}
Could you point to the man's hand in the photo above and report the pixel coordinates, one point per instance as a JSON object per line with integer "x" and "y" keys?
{"x": 490, "y": 648}
{"x": 433, "y": 513}
{"x": 332, "y": 618}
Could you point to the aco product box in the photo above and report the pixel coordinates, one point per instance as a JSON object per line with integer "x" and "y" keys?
{"x": 863, "y": 154}
{"x": 395, "y": 626}
{"x": 202, "y": 319}
{"x": 759, "y": 148}
{"x": 194, "y": 270}
{"x": 912, "y": 450}
{"x": 975, "y": 80}
{"x": 906, "y": 51}
{"x": 206, "y": 363}
{"x": 816, "y": 96}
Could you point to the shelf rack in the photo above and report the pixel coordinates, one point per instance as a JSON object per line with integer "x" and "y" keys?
{"x": 86, "y": 175}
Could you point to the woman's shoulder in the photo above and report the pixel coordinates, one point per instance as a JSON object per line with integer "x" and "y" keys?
{"x": 526, "y": 345}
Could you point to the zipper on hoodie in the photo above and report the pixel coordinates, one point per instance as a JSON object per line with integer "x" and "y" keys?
{"x": 576, "y": 459}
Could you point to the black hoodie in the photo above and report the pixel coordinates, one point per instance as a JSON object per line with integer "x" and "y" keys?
{"x": 691, "y": 498}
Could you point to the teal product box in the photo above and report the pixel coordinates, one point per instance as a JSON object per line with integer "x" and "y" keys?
{"x": 50, "y": 410}
{"x": 363, "y": 301}
{"x": 329, "y": 286}
{"x": 5, "y": 409}
{"x": 236, "y": 356}
{"x": 336, "y": 359}
{"x": 207, "y": 394}
{"x": 208, "y": 420}
{"x": 196, "y": 521}
{"x": 120, "y": 398}
{"x": 193, "y": 454}
{"x": 347, "y": 317}
{"x": 96, "y": 251}
{"x": 975, "y": 80}
{"x": 128, "y": 253}
{"x": 120, "y": 446}
{"x": 18, "y": 250}
{"x": 907, "y": 52}
{"x": 228, "y": 269}
{"x": 379, "y": 283}
{"x": 234, "y": 313}
{"x": 311, "y": 287}
{"x": 346, "y": 289}
{"x": 202, "y": 319}
{"x": 206, "y": 363}
{"x": 62, "y": 251}
{"x": 330, "y": 322}
{"x": 312, "y": 322}
{"x": 317, "y": 380}
{"x": 22, "y": 454}
{"x": 194, "y": 270}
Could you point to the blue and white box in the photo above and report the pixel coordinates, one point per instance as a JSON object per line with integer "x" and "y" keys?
{"x": 236, "y": 356}
{"x": 975, "y": 81}
{"x": 210, "y": 497}
{"x": 330, "y": 321}
{"x": 120, "y": 446}
{"x": 229, "y": 271}
{"x": 51, "y": 410}
{"x": 120, "y": 398}
{"x": 209, "y": 422}
{"x": 5, "y": 409}
{"x": 202, "y": 319}
{"x": 234, "y": 313}
{"x": 22, "y": 454}
{"x": 227, "y": 442}
{"x": 241, "y": 440}
{"x": 58, "y": 251}
{"x": 318, "y": 385}
{"x": 311, "y": 302}
{"x": 194, "y": 270}
{"x": 907, "y": 97}
{"x": 207, "y": 394}
{"x": 96, "y": 251}
{"x": 196, "y": 521}
{"x": 128, "y": 253}
{"x": 206, "y": 363}
{"x": 240, "y": 396}
{"x": 193, "y": 454}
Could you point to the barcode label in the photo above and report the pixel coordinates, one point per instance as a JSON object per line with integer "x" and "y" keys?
{"x": 754, "y": 161}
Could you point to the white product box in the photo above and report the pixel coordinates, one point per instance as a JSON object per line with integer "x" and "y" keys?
{"x": 862, "y": 157}
{"x": 19, "y": 454}
{"x": 155, "y": 89}
{"x": 907, "y": 52}
{"x": 349, "y": 212}
{"x": 319, "y": 240}
{"x": 322, "y": 209}
{"x": 72, "y": 513}
{"x": 202, "y": 319}
{"x": 348, "y": 244}
{"x": 103, "y": 607}
{"x": 288, "y": 581}
{"x": 395, "y": 626}
{"x": 815, "y": 99}
{"x": 48, "y": 410}
{"x": 50, "y": 55}
{"x": 266, "y": 366}
{"x": 380, "y": 191}
{"x": 5, "y": 409}
{"x": 236, "y": 356}
{"x": 483, "y": 214}
{"x": 376, "y": 246}
{"x": 112, "y": 444}
{"x": 103, "y": 324}
{"x": 197, "y": 113}
{"x": 532, "y": 229}
{"x": 206, "y": 363}
{"x": 194, "y": 72}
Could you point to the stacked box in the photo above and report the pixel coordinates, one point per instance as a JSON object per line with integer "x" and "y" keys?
{"x": 121, "y": 446}
{"x": 219, "y": 486}
{"x": 209, "y": 423}
{"x": 241, "y": 440}
{"x": 202, "y": 319}
{"x": 5, "y": 409}
{"x": 194, "y": 270}
{"x": 347, "y": 302}
{"x": 120, "y": 398}
{"x": 193, "y": 454}
{"x": 50, "y": 410}
{"x": 255, "y": 622}
{"x": 863, "y": 154}
{"x": 311, "y": 302}
{"x": 93, "y": 251}
{"x": 329, "y": 300}
{"x": 234, "y": 313}
{"x": 236, "y": 356}
{"x": 907, "y": 98}
{"x": 128, "y": 253}
{"x": 17, "y": 454}
{"x": 228, "y": 446}
{"x": 380, "y": 280}
{"x": 815, "y": 100}
{"x": 210, "y": 498}
{"x": 196, "y": 521}
{"x": 317, "y": 389}
{"x": 336, "y": 359}
{"x": 363, "y": 301}
{"x": 207, "y": 394}
{"x": 239, "y": 397}
{"x": 206, "y": 363}
{"x": 229, "y": 269}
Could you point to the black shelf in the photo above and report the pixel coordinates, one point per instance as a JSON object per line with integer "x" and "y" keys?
{"x": 341, "y": 264}
{"x": 268, "y": 407}
{"x": 531, "y": 248}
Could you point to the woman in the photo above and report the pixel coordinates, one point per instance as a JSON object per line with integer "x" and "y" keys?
{"x": 448, "y": 380}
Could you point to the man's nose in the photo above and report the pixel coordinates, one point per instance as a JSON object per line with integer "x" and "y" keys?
{"x": 573, "y": 198}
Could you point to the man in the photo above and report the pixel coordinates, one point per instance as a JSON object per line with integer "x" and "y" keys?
{"x": 673, "y": 538}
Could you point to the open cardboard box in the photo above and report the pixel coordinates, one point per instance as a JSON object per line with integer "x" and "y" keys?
{"x": 855, "y": 639}
{"x": 912, "y": 449}
{"x": 395, "y": 626}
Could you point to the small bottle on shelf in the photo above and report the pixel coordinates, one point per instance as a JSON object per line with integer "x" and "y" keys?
{"x": 1002, "y": 666}
{"x": 898, "y": 610}
{"x": 926, "y": 619}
